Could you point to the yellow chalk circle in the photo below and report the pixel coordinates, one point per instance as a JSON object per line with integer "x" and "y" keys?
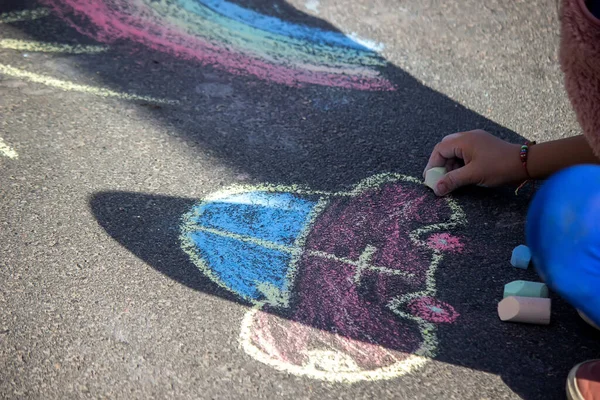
{"x": 528, "y": 310}
{"x": 6, "y": 151}
{"x": 25, "y": 15}
{"x": 34, "y": 46}
{"x": 75, "y": 87}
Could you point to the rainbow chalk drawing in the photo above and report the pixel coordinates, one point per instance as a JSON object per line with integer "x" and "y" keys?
{"x": 232, "y": 38}
{"x": 342, "y": 284}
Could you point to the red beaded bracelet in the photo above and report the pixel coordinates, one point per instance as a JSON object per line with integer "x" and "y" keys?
{"x": 523, "y": 155}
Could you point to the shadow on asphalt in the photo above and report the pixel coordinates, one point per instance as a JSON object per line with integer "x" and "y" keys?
{"x": 532, "y": 360}
{"x": 329, "y": 139}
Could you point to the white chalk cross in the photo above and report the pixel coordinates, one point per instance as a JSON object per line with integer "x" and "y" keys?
{"x": 364, "y": 263}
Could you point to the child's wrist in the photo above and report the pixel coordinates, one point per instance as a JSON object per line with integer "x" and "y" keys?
{"x": 518, "y": 171}
{"x": 525, "y": 157}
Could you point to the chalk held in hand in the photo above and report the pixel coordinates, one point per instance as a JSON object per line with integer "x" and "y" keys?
{"x": 521, "y": 257}
{"x": 525, "y": 289}
{"x": 433, "y": 176}
{"x": 528, "y": 310}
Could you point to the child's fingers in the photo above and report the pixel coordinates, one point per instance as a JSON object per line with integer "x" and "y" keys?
{"x": 453, "y": 164}
{"x": 449, "y": 148}
{"x": 452, "y": 136}
{"x": 436, "y": 159}
{"x": 454, "y": 179}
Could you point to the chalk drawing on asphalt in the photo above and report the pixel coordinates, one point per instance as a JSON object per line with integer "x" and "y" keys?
{"x": 342, "y": 284}
{"x": 77, "y": 87}
{"x": 38, "y": 46}
{"x": 23, "y": 16}
{"x": 233, "y": 38}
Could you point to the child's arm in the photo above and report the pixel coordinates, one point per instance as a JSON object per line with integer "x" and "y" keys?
{"x": 477, "y": 157}
{"x": 544, "y": 159}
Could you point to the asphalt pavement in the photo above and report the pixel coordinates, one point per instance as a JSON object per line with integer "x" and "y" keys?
{"x": 178, "y": 222}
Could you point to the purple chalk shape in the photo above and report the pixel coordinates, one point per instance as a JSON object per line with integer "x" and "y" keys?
{"x": 521, "y": 257}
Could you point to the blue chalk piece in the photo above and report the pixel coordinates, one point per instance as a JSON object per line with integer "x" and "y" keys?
{"x": 521, "y": 257}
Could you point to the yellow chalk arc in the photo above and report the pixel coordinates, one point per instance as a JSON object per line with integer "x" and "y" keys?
{"x": 35, "y": 46}
{"x": 76, "y": 87}
{"x": 25, "y": 15}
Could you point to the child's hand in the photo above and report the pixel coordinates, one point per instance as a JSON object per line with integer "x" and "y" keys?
{"x": 475, "y": 157}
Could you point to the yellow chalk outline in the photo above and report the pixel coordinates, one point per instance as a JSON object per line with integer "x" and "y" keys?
{"x": 428, "y": 330}
{"x": 76, "y": 87}
{"x": 22, "y": 16}
{"x": 42, "y": 47}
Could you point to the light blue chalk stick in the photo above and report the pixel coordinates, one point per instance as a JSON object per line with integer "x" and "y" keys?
{"x": 521, "y": 257}
{"x": 525, "y": 289}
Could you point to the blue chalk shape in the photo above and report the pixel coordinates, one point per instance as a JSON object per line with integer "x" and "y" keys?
{"x": 246, "y": 241}
{"x": 521, "y": 257}
{"x": 274, "y": 217}
{"x": 270, "y": 24}
{"x": 525, "y": 289}
{"x": 243, "y": 266}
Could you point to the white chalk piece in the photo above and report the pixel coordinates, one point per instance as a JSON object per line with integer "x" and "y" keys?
{"x": 528, "y": 310}
{"x": 521, "y": 257}
{"x": 433, "y": 175}
{"x": 525, "y": 289}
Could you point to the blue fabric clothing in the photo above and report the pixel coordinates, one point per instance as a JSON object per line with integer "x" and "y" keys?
{"x": 563, "y": 233}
